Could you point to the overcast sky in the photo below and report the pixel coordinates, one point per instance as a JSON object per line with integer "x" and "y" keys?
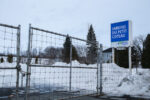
{"x": 74, "y": 16}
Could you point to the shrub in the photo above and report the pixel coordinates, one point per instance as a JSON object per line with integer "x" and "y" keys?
{"x": 10, "y": 58}
{"x": 2, "y": 60}
{"x": 36, "y": 60}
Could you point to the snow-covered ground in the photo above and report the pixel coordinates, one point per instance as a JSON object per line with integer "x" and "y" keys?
{"x": 116, "y": 80}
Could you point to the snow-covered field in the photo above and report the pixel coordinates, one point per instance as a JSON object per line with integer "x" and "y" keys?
{"x": 116, "y": 80}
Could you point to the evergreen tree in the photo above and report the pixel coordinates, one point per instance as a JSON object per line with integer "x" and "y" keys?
{"x": 2, "y": 60}
{"x": 92, "y": 47}
{"x": 66, "y": 51}
{"x": 10, "y": 58}
{"x": 146, "y": 53}
{"x": 74, "y": 53}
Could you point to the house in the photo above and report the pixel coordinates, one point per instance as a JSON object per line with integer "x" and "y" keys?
{"x": 107, "y": 55}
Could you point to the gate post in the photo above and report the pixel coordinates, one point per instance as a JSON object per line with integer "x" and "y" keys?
{"x": 70, "y": 80}
{"x": 130, "y": 59}
{"x": 99, "y": 70}
{"x": 28, "y": 64}
{"x": 18, "y": 60}
{"x": 101, "y": 66}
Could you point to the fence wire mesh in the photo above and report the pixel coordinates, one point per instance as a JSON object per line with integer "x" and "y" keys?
{"x": 9, "y": 61}
{"x": 84, "y": 77}
{"x": 59, "y": 67}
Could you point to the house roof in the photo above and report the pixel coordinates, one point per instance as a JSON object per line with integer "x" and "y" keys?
{"x": 107, "y": 50}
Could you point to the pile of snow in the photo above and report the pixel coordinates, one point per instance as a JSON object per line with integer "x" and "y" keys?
{"x": 117, "y": 80}
{"x": 75, "y": 63}
{"x": 136, "y": 84}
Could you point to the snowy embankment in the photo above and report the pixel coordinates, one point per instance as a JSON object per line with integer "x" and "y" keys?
{"x": 136, "y": 84}
{"x": 116, "y": 80}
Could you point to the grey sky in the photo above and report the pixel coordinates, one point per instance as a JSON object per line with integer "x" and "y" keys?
{"x": 73, "y": 16}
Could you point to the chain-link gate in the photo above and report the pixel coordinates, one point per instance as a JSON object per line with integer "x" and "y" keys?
{"x": 9, "y": 61}
{"x": 60, "y": 66}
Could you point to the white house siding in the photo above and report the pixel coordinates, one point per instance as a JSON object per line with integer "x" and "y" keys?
{"x": 107, "y": 57}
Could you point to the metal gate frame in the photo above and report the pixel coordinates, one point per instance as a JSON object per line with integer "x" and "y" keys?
{"x": 17, "y": 68}
{"x": 99, "y": 61}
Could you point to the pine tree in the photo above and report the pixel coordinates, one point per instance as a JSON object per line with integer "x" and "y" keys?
{"x": 146, "y": 53}
{"x": 92, "y": 47}
{"x": 66, "y": 51}
{"x": 74, "y": 53}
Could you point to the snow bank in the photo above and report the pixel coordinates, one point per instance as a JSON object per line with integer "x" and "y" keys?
{"x": 75, "y": 63}
{"x": 136, "y": 84}
{"x": 117, "y": 80}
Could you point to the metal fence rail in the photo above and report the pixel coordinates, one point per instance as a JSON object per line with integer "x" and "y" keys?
{"x": 58, "y": 70}
{"x": 9, "y": 64}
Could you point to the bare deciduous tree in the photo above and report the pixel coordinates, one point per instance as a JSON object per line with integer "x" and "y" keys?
{"x": 138, "y": 44}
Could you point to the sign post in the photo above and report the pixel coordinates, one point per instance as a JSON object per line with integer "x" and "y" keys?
{"x": 113, "y": 55}
{"x": 130, "y": 60}
{"x": 121, "y": 37}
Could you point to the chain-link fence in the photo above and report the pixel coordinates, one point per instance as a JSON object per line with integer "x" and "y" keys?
{"x": 60, "y": 66}
{"x": 9, "y": 60}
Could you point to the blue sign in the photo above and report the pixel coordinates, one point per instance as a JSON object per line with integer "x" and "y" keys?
{"x": 120, "y": 31}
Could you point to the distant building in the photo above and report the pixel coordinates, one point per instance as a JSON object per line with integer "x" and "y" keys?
{"x": 107, "y": 55}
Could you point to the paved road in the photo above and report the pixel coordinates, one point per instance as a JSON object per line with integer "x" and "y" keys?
{"x": 57, "y": 95}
